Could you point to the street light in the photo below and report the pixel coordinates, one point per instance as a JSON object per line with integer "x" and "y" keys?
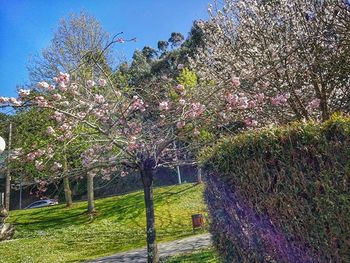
{"x": 2, "y": 145}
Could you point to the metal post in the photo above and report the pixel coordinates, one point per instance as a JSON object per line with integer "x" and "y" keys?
{"x": 177, "y": 166}
{"x": 8, "y": 174}
{"x": 20, "y": 193}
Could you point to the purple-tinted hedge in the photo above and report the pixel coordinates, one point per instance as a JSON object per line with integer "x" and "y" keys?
{"x": 282, "y": 194}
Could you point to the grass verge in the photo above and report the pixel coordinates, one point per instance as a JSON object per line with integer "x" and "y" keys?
{"x": 59, "y": 234}
{"x": 202, "y": 256}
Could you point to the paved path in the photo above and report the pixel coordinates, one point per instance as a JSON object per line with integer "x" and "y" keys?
{"x": 165, "y": 250}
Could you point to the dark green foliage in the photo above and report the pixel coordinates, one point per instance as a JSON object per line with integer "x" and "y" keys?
{"x": 288, "y": 188}
{"x": 162, "y": 45}
{"x": 176, "y": 39}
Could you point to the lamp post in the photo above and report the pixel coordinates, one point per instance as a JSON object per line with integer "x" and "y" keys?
{"x": 2, "y": 148}
{"x": 2, "y": 145}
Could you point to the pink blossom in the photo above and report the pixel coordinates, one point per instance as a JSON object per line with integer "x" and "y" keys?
{"x": 50, "y": 130}
{"x": 180, "y": 88}
{"x": 138, "y": 104}
{"x": 43, "y": 85}
{"x": 250, "y": 123}
{"x": 15, "y": 102}
{"x": 51, "y": 87}
{"x": 196, "y": 132}
{"x": 252, "y": 104}
{"x": 62, "y": 77}
{"x": 65, "y": 127}
{"x": 81, "y": 115}
{"x": 280, "y": 99}
{"x": 123, "y": 173}
{"x": 180, "y": 124}
{"x": 41, "y": 101}
{"x": 164, "y": 106}
{"x": 39, "y": 165}
{"x": 235, "y": 81}
{"x": 58, "y": 116}
{"x": 232, "y": 99}
{"x": 31, "y": 156}
{"x": 62, "y": 86}
{"x": 4, "y": 99}
{"x": 102, "y": 82}
{"x": 24, "y": 93}
{"x": 242, "y": 103}
{"x": 260, "y": 97}
{"x": 180, "y": 66}
{"x": 182, "y": 101}
{"x": 56, "y": 166}
{"x": 57, "y": 97}
{"x": 314, "y": 104}
{"x": 90, "y": 83}
{"x": 39, "y": 153}
{"x": 195, "y": 110}
{"x": 120, "y": 40}
{"x": 68, "y": 135}
{"x": 99, "y": 99}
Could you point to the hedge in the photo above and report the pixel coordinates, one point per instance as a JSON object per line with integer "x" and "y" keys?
{"x": 281, "y": 194}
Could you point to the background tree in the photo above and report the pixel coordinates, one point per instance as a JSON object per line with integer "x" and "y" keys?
{"x": 74, "y": 39}
{"x": 149, "y": 52}
{"x": 162, "y": 45}
{"x": 176, "y": 39}
{"x": 299, "y": 58}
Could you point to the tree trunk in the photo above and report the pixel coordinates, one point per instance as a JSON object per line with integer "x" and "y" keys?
{"x": 67, "y": 191}
{"x": 90, "y": 193}
{"x": 8, "y": 173}
{"x": 147, "y": 173}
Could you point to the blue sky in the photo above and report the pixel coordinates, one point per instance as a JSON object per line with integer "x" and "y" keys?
{"x": 27, "y": 26}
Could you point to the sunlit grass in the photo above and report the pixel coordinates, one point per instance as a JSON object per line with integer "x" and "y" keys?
{"x": 202, "y": 256}
{"x": 59, "y": 234}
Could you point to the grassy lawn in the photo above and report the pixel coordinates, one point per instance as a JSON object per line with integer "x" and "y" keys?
{"x": 59, "y": 234}
{"x": 206, "y": 255}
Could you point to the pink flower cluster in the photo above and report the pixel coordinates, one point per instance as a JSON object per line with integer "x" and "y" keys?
{"x": 314, "y": 104}
{"x": 50, "y": 131}
{"x": 99, "y": 99}
{"x": 62, "y": 78}
{"x": 24, "y": 93}
{"x": 90, "y": 83}
{"x": 36, "y": 154}
{"x": 164, "y": 106}
{"x": 280, "y": 99}
{"x": 195, "y": 110}
{"x": 138, "y": 104}
{"x": 240, "y": 102}
{"x": 10, "y": 100}
{"x": 41, "y": 101}
{"x": 56, "y": 166}
{"x": 39, "y": 165}
{"x": 180, "y": 89}
{"x": 102, "y": 82}
{"x": 250, "y": 122}
{"x": 58, "y": 116}
{"x": 235, "y": 81}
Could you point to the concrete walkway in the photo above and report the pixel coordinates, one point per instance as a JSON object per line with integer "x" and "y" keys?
{"x": 165, "y": 250}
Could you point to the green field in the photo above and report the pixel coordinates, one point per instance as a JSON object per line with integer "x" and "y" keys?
{"x": 59, "y": 234}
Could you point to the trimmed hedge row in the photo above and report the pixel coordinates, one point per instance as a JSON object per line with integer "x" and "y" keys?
{"x": 282, "y": 194}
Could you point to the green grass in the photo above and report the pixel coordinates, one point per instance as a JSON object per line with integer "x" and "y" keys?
{"x": 202, "y": 256}
{"x": 59, "y": 234}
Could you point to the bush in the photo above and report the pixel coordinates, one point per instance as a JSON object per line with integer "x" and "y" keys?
{"x": 282, "y": 194}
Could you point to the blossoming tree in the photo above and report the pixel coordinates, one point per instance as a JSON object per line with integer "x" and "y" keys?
{"x": 135, "y": 127}
{"x": 296, "y": 52}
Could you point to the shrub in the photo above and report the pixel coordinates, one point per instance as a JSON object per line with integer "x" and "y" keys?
{"x": 282, "y": 194}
